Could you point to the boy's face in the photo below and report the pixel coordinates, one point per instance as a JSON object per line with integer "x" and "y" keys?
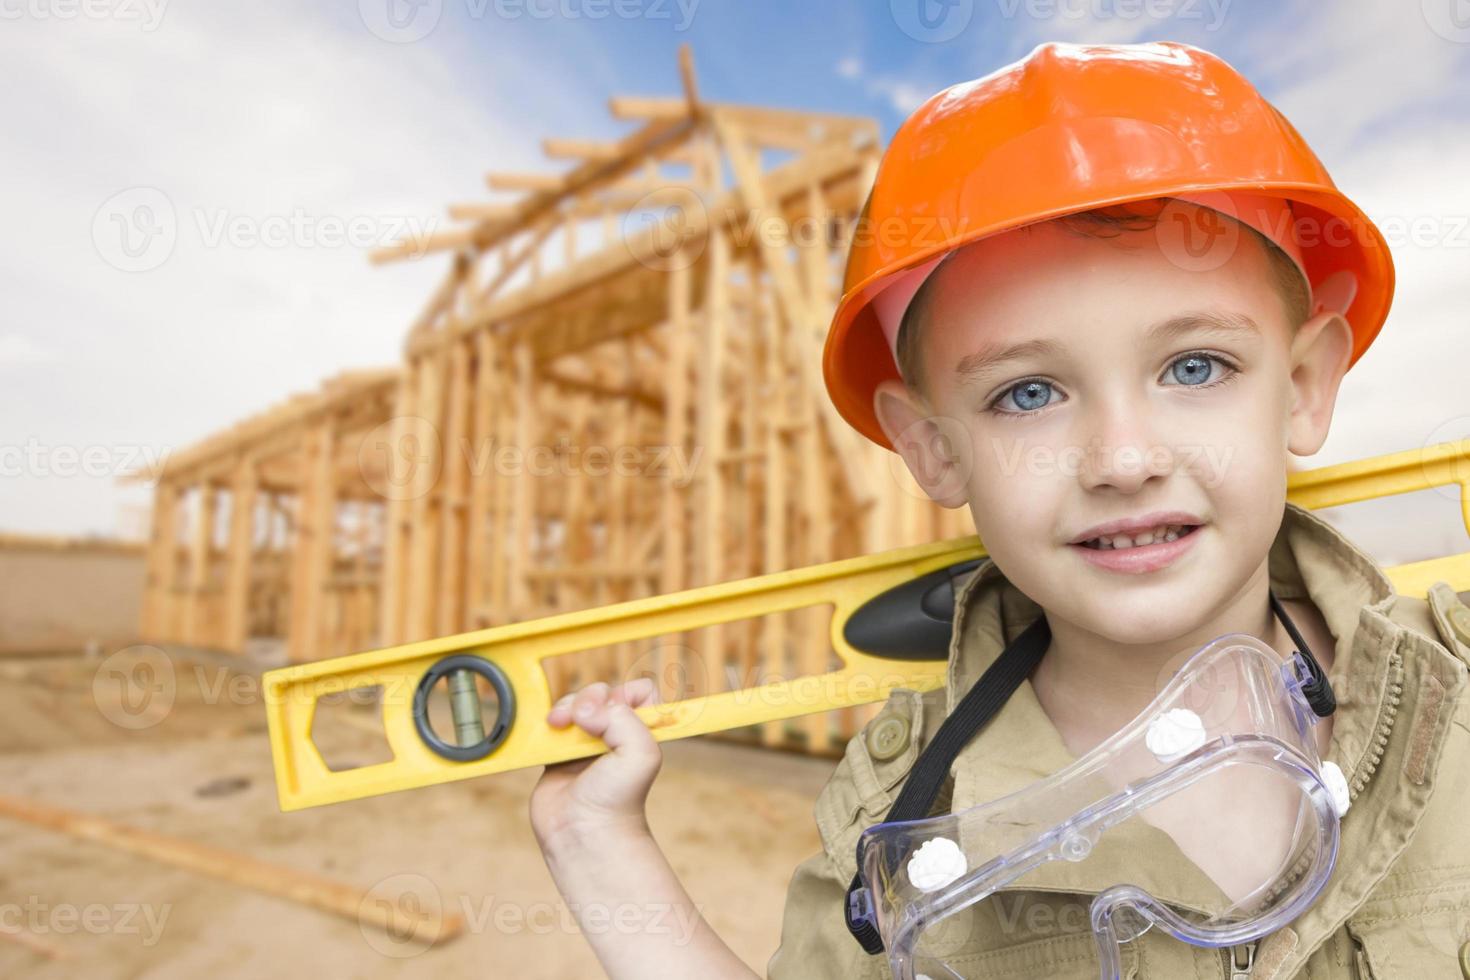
{"x": 1143, "y": 387}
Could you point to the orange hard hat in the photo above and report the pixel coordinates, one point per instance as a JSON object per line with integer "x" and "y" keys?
{"x": 1074, "y": 127}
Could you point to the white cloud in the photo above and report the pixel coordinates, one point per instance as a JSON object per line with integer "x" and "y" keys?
{"x": 849, "y": 67}
{"x": 262, "y": 119}
{"x": 16, "y": 350}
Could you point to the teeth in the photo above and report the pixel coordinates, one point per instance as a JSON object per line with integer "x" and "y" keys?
{"x": 1168, "y": 532}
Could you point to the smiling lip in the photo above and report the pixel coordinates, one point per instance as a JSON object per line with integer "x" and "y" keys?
{"x": 1144, "y": 558}
{"x": 1133, "y": 525}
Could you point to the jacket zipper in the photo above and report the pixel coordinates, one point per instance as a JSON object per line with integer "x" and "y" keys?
{"x": 1241, "y": 961}
{"x": 1383, "y": 728}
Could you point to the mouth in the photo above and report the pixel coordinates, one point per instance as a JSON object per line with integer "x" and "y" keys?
{"x": 1138, "y": 539}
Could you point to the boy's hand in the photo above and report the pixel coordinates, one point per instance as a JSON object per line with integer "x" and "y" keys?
{"x": 605, "y": 793}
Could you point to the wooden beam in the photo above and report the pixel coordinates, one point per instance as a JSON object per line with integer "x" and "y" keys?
{"x": 197, "y": 621}
{"x": 162, "y": 561}
{"x": 643, "y": 107}
{"x": 579, "y": 149}
{"x": 482, "y": 487}
{"x": 454, "y": 480}
{"x": 334, "y": 897}
{"x": 481, "y": 211}
{"x": 806, "y": 321}
{"x": 312, "y": 548}
{"x": 238, "y": 555}
{"x": 686, "y": 77}
{"x": 525, "y": 182}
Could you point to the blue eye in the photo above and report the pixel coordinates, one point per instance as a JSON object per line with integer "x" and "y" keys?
{"x": 1194, "y": 369}
{"x": 1028, "y": 396}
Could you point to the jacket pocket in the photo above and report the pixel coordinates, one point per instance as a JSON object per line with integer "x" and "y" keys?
{"x": 1430, "y": 943}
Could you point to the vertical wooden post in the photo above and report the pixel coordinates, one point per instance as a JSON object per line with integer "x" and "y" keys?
{"x": 426, "y": 505}
{"x": 712, "y": 407}
{"x": 239, "y": 554}
{"x": 676, "y": 421}
{"x": 500, "y": 547}
{"x": 196, "y": 615}
{"x": 312, "y": 556}
{"x": 162, "y": 563}
{"x": 520, "y": 554}
{"x": 396, "y": 485}
{"x": 778, "y": 418}
{"x": 479, "y": 457}
{"x": 455, "y": 482}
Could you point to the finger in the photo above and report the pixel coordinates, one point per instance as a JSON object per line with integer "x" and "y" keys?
{"x": 637, "y": 692}
{"x": 622, "y": 730}
{"x": 560, "y": 714}
{"x": 578, "y": 704}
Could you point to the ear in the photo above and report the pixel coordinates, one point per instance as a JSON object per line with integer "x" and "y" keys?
{"x": 936, "y": 449}
{"x": 1320, "y": 353}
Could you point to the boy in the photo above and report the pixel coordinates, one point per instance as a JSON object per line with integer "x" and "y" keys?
{"x": 1047, "y": 343}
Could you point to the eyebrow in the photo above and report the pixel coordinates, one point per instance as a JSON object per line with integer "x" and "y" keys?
{"x": 991, "y": 357}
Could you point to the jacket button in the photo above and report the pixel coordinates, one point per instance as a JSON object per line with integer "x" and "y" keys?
{"x": 1465, "y": 960}
{"x": 888, "y": 737}
{"x": 1459, "y": 617}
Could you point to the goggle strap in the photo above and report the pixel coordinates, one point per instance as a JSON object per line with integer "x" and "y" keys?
{"x": 982, "y": 703}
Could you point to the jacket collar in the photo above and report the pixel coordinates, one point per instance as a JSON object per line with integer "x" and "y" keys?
{"x": 1378, "y": 670}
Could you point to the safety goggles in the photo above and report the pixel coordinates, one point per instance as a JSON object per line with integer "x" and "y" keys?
{"x": 1207, "y": 816}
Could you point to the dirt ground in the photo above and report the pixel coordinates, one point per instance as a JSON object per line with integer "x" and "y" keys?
{"x": 734, "y": 820}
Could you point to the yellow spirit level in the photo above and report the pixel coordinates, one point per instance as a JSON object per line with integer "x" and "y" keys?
{"x": 891, "y": 617}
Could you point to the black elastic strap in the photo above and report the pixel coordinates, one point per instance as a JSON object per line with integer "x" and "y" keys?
{"x": 1315, "y": 687}
{"x": 983, "y": 702}
{"x": 921, "y": 788}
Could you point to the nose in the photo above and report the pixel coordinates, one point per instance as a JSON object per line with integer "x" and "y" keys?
{"x": 1118, "y": 445}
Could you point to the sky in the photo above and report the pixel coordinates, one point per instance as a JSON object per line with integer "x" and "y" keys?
{"x": 270, "y": 145}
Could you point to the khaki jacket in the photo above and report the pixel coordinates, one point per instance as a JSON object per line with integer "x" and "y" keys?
{"x": 1398, "y": 901}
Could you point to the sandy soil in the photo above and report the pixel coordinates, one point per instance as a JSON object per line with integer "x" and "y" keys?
{"x": 735, "y": 821}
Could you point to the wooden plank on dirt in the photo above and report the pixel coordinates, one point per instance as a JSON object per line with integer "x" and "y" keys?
{"x": 305, "y": 888}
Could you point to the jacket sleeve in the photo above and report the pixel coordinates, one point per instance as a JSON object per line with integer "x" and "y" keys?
{"x": 815, "y": 943}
